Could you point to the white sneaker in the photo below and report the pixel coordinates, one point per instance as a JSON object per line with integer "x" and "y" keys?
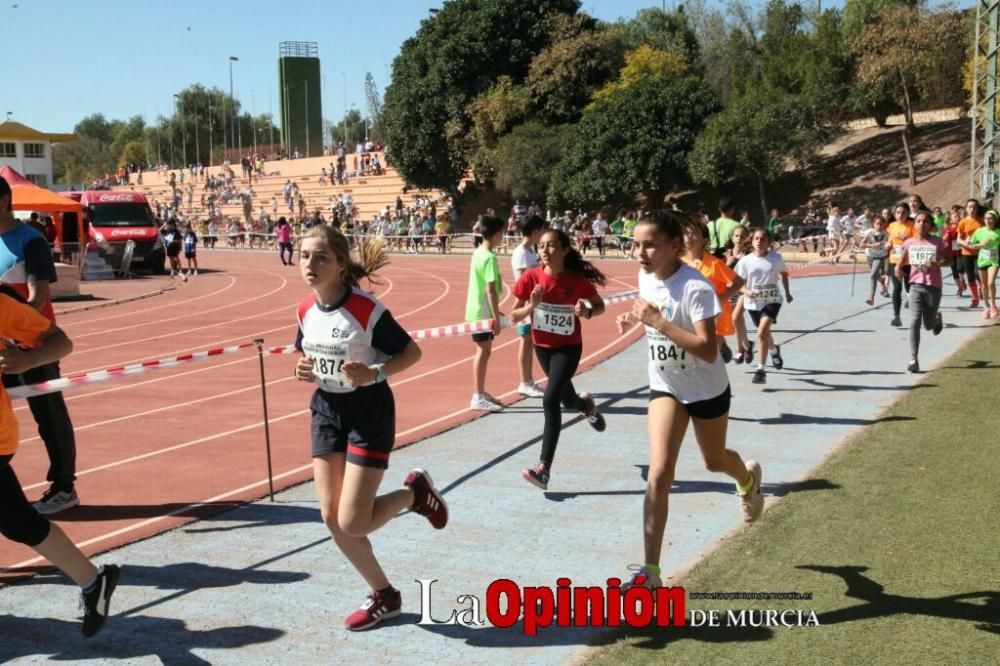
{"x": 530, "y": 390}
{"x": 642, "y": 577}
{"x": 184, "y": 277}
{"x": 485, "y": 405}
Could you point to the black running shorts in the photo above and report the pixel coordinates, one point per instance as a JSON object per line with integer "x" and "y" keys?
{"x": 361, "y": 423}
{"x": 712, "y": 408}
{"x": 770, "y": 311}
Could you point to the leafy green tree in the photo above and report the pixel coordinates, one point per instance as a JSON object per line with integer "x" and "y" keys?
{"x": 754, "y": 138}
{"x": 899, "y": 52}
{"x": 493, "y": 114}
{"x": 672, "y": 32}
{"x": 581, "y": 58}
{"x": 644, "y": 64}
{"x": 634, "y": 142}
{"x": 524, "y": 159}
{"x": 348, "y": 129}
{"x": 457, "y": 54}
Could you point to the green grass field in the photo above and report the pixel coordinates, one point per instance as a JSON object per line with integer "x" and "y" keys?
{"x": 900, "y": 549}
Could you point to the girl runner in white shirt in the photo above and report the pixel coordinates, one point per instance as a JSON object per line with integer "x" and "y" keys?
{"x": 687, "y": 379}
{"x": 350, "y": 346}
{"x": 761, "y": 271}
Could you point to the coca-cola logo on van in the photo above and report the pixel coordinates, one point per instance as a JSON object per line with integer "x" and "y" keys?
{"x": 128, "y": 233}
{"x": 116, "y": 198}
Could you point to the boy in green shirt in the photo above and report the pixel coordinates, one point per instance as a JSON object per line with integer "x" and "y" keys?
{"x": 483, "y": 302}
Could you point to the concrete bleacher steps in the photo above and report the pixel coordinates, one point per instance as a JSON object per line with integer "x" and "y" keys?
{"x": 370, "y": 193}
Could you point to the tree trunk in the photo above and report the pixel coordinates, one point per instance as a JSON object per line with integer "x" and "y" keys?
{"x": 907, "y": 107}
{"x": 909, "y": 157}
{"x": 763, "y": 197}
{"x": 909, "y": 127}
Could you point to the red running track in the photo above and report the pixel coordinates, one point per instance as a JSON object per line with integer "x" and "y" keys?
{"x": 169, "y": 446}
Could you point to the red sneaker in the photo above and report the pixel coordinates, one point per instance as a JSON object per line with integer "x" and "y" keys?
{"x": 427, "y": 500}
{"x": 377, "y": 607}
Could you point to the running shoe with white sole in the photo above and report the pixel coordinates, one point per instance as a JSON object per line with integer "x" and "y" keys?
{"x": 376, "y": 608}
{"x": 642, "y": 577}
{"x": 427, "y": 501}
{"x": 485, "y": 405}
{"x": 96, "y": 601}
{"x": 537, "y": 476}
{"x": 752, "y": 502}
{"x": 594, "y": 417}
{"x": 530, "y": 390}
{"x": 776, "y": 359}
{"x": 54, "y": 501}
{"x": 759, "y": 377}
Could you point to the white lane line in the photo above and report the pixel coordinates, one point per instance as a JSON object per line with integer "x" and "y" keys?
{"x": 296, "y": 470}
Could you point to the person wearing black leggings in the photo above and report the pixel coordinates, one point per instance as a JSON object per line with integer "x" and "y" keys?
{"x": 556, "y": 296}
{"x": 899, "y": 232}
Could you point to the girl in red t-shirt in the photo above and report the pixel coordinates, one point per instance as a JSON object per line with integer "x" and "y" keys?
{"x": 949, "y": 236}
{"x": 556, "y": 295}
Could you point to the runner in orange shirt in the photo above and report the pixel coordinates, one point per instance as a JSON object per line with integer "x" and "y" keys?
{"x": 967, "y": 262}
{"x": 725, "y": 282}
{"x": 899, "y": 232}
{"x": 19, "y": 520}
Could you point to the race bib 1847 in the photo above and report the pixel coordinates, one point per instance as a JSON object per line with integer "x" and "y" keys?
{"x": 664, "y": 355}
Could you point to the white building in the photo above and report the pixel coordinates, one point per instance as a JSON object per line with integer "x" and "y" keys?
{"x": 29, "y": 151}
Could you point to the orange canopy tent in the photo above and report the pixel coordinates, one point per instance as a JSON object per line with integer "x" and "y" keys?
{"x": 25, "y": 195}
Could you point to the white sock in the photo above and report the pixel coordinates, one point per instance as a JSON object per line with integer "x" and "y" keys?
{"x": 760, "y": 366}
{"x": 478, "y": 396}
{"x": 93, "y": 580}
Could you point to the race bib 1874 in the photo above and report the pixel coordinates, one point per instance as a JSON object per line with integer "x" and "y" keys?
{"x": 328, "y": 359}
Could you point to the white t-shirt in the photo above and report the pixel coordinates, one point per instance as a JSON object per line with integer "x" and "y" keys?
{"x": 865, "y": 223}
{"x": 600, "y": 227}
{"x": 871, "y": 236}
{"x": 762, "y": 274}
{"x": 833, "y": 224}
{"x": 684, "y": 298}
{"x": 523, "y": 258}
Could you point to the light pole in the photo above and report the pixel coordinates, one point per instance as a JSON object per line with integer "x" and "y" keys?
{"x": 180, "y": 112}
{"x": 232, "y": 104}
{"x": 173, "y": 135}
{"x": 211, "y": 124}
{"x": 346, "y": 142}
{"x": 253, "y": 119}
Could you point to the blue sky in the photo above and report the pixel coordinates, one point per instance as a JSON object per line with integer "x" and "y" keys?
{"x": 65, "y": 59}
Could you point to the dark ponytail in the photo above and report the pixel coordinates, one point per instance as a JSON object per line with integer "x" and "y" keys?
{"x": 575, "y": 262}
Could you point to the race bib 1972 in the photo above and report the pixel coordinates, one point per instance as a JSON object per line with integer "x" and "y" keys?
{"x": 922, "y": 255}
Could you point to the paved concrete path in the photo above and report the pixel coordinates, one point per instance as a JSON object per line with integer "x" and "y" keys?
{"x": 263, "y": 583}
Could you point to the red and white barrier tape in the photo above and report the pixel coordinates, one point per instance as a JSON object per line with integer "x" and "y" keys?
{"x": 74, "y": 381}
